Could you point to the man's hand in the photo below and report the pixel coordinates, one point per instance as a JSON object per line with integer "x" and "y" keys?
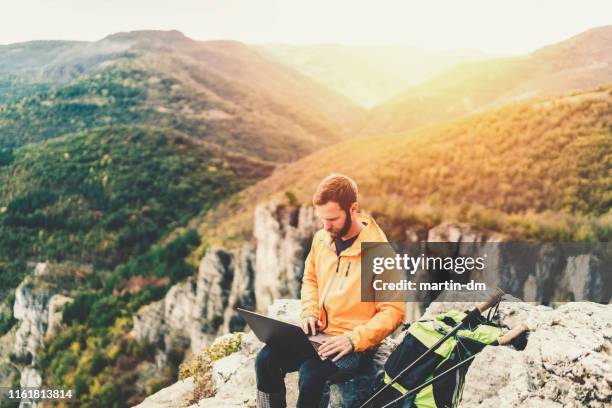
{"x": 341, "y": 345}
{"x": 312, "y": 323}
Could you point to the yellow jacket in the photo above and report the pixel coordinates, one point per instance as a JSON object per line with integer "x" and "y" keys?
{"x": 331, "y": 290}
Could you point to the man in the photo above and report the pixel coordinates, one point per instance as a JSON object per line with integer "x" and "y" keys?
{"x": 331, "y": 302}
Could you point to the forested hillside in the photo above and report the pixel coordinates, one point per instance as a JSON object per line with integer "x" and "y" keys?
{"x": 538, "y": 170}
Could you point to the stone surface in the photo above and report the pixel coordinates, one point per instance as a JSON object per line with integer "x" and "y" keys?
{"x": 175, "y": 396}
{"x": 234, "y": 375}
{"x": 196, "y": 311}
{"x": 30, "y": 377}
{"x": 567, "y": 362}
{"x": 550, "y": 272}
{"x": 283, "y": 236}
{"x": 31, "y": 309}
{"x": 38, "y": 311}
{"x": 56, "y": 305}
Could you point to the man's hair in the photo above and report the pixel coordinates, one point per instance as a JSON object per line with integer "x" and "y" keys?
{"x": 337, "y": 188}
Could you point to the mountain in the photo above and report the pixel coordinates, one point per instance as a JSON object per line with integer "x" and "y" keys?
{"x": 220, "y": 91}
{"x": 96, "y": 207}
{"x": 581, "y": 62}
{"x": 536, "y": 169}
{"x": 106, "y": 195}
{"x": 105, "y": 148}
{"x": 368, "y": 75}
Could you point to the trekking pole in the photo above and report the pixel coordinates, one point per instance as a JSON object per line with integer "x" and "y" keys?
{"x": 481, "y": 307}
{"x": 508, "y": 337}
{"x": 503, "y": 340}
{"x": 426, "y": 383}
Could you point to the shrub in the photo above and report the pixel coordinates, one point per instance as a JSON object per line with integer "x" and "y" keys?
{"x": 200, "y": 368}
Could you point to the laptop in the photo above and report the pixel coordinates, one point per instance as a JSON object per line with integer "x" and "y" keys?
{"x": 282, "y": 335}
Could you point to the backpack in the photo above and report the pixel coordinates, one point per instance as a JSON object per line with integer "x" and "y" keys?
{"x": 446, "y": 391}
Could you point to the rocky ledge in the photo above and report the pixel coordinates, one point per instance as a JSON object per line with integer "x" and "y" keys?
{"x": 567, "y": 363}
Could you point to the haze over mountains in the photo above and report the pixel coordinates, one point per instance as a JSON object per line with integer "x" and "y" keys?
{"x": 581, "y": 62}
{"x": 239, "y": 96}
{"x": 368, "y": 75}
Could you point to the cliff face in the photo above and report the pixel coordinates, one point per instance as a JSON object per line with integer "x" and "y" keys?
{"x": 38, "y": 310}
{"x": 201, "y": 309}
{"x": 283, "y": 236}
{"x": 545, "y": 273}
{"x": 31, "y": 309}
{"x": 196, "y": 311}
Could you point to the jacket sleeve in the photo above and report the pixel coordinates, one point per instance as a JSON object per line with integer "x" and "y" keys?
{"x": 389, "y": 313}
{"x": 310, "y": 292}
{"x": 388, "y": 316}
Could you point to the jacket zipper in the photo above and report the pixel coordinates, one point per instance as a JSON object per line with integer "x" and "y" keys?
{"x": 345, "y": 276}
{"x": 331, "y": 282}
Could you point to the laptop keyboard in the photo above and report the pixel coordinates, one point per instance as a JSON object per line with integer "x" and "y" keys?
{"x": 315, "y": 345}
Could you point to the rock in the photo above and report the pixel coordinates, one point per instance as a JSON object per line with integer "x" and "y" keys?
{"x": 461, "y": 233}
{"x": 287, "y": 310}
{"x": 234, "y": 375}
{"x": 9, "y": 373}
{"x": 39, "y": 300}
{"x": 38, "y": 311}
{"x": 148, "y": 322}
{"x": 31, "y": 309}
{"x": 168, "y": 324}
{"x": 225, "y": 281}
{"x": 242, "y": 290}
{"x": 30, "y": 377}
{"x": 56, "y": 305}
{"x": 283, "y": 236}
{"x": 584, "y": 279}
{"x": 194, "y": 312}
{"x": 544, "y": 273}
{"x": 175, "y": 396}
{"x": 567, "y": 362}
{"x": 356, "y": 390}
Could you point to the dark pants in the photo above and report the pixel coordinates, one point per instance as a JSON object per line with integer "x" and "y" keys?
{"x": 271, "y": 365}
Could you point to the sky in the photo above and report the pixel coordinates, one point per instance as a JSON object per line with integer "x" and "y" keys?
{"x": 502, "y": 27}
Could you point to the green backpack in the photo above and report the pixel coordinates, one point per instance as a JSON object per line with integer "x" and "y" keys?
{"x": 446, "y": 391}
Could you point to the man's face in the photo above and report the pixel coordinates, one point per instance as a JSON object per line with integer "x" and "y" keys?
{"x": 335, "y": 220}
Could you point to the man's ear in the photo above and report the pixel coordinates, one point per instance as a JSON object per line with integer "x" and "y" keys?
{"x": 354, "y": 207}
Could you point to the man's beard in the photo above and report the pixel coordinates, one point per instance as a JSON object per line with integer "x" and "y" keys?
{"x": 345, "y": 228}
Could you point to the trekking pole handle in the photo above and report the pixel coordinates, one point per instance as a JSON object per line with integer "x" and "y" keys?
{"x": 495, "y": 297}
{"x": 507, "y": 338}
